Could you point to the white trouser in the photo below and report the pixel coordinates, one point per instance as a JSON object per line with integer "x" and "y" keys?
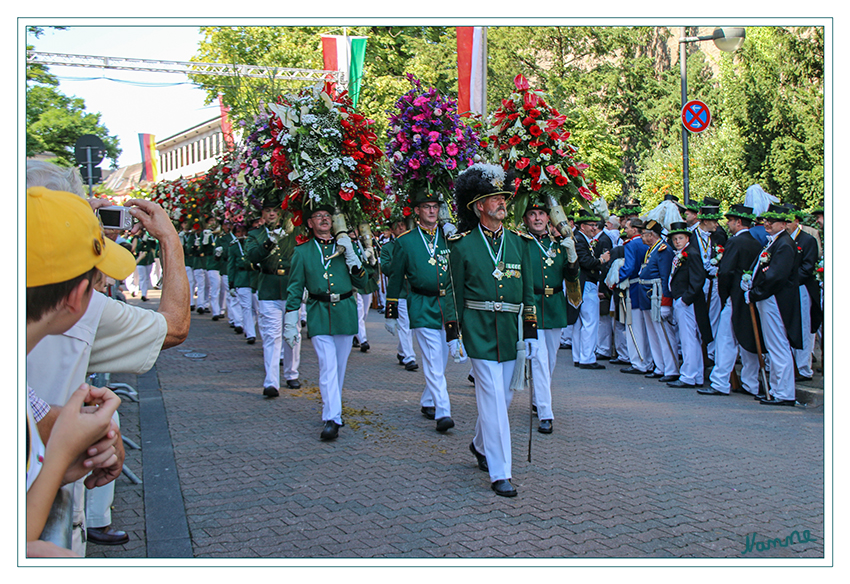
{"x": 364, "y": 302}
{"x": 726, "y": 353}
{"x": 382, "y": 291}
{"x": 271, "y": 329}
{"x": 713, "y": 312}
{"x": 542, "y": 367}
{"x": 332, "y": 352}
{"x": 143, "y": 278}
{"x": 246, "y": 306}
{"x": 620, "y": 343}
{"x": 405, "y": 338}
{"x": 214, "y": 291}
{"x": 201, "y": 283}
{"x": 691, "y": 342}
{"x": 803, "y": 357}
{"x": 666, "y": 361}
{"x": 234, "y": 312}
{"x": 190, "y": 273}
{"x": 156, "y": 272}
{"x": 640, "y": 355}
{"x": 606, "y": 333}
{"x": 586, "y": 328}
{"x": 567, "y": 334}
{"x": 492, "y": 428}
{"x": 435, "y": 356}
{"x": 778, "y": 348}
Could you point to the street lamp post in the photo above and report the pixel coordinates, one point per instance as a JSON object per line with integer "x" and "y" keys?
{"x": 727, "y": 40}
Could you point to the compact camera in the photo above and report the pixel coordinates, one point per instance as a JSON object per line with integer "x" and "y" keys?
{"x": 115, "y": 217}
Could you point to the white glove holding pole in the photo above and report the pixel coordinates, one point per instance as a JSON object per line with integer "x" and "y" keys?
{"x": 449, "y": 229}
{"x": 232, "y": 293}
{"x": 351, "y": 259}
{"x": 457, "y": 351}
{"x": 530, "y": 348}
{"x": 391, "y": 324}
{"x": 746, "y": 284}
{"x": 290, "y": 328}
{"x": 666, "y": 312}
{"x": 569, "y": 244}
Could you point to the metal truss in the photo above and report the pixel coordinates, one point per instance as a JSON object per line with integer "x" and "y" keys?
{"x": 184, "y": 67}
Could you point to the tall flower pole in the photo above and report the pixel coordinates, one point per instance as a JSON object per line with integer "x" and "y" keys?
{"x": 727, "y": 40}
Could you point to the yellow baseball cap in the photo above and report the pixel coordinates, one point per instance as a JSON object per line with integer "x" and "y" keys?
{"x": 65, "y": 240}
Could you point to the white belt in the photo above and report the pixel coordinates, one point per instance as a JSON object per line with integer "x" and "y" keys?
{"x": 490, "y": 306}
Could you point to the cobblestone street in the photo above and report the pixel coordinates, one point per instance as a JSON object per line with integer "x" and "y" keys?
{"x": 634, "y": 469}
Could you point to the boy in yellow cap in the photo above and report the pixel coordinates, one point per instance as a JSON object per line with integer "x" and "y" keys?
{"x": 66, "y": 252}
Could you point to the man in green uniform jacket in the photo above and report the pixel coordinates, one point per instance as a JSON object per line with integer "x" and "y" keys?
{"x": 241, "y": 276}
{"x": 187, "y": 238}
{"x": 552, "y": 262}
{"x": 404, "y": 352}
{"x": 421, "y": 258}
{"x": 144, "y": 248}
{"x": 491, "y": 267}
{"x": 271, "y": 248}
{"x": 330, "y": 281}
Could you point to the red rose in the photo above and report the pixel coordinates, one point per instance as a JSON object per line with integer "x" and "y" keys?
{"x": 535, "y": 171}
{"x": 561, "y": 181}
{"x": 535, "y": 130}
{"x": 406, "y": 211}
{"x": 514, "y": 140}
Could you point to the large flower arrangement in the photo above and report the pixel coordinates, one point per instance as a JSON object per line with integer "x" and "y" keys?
{"x": 324, "y": 154}
{"x": 427, "y": 143}
{"x": 527, "y": 134}
{"x": 256, "y": 170}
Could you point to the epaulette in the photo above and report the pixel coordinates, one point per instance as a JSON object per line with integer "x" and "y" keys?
{"x": 458, "y": 236}
{"x": 522, "y": 234}
{"x": 662, "y": 247}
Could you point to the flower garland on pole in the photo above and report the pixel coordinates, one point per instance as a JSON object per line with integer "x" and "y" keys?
{"x": 426, "y": 143}
{"x": 527, "y": 134}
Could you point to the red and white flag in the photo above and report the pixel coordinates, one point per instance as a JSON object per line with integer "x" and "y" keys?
{"x": 472, "y": 69}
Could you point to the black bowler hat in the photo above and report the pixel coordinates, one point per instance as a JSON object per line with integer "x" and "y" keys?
{"x": 741, "y": 211}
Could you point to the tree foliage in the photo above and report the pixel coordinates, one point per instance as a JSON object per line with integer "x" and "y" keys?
{"x": 55, "y": 120}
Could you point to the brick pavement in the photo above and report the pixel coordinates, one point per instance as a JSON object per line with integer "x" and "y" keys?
{"x": 634, "y": 469}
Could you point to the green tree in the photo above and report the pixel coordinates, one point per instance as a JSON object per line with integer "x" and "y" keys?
{"x": 55, "y": 121}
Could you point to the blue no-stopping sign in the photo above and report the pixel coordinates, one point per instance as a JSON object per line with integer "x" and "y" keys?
{"x": 696, "y": 116}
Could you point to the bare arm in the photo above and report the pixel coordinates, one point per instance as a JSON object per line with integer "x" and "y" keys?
{"x": 174, "y": 302}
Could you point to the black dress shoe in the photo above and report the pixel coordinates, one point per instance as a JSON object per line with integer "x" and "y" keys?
{"x": 600, "y": 357}
{"x": 653, "y": 375}
{"x": 800, "y": 378}
{"x": 400, "y": 358}
{"x": 504, "y": 488}
{"x": 144, "y": 299}
{"x": 293, "y": 384}
{"x": 682, "y": 384}
{"x": 778, "y": 402}
{"x": 759, "y": 396}
{"x": 710, "y": 391}
{"x": 106, "y": 536}
{"x": 534, "y": 409}
{"x": 619, "y": 361}
{"x": 200, "y": 310}
{"x": 330, "y": 431}
{"x": 563, "y": 346}
{"x": 237, "y": 330}
{"x": 482, "y": 460}
{"x": 251, "y": 340}
{"x": 591, "y": 366}
{"x": 412, "y": 366}
{"x": 545, "y": 427}
{"x": 575, "y": 363}
{"x": 364, "y": 347}
{"x": 216, "y": 317}
{"x": 355, "y": 343}
{"x": 632, "y": 371}
{"x": 668, "y": 378}
{"x": 445, "y": 424}
{"x": 471, "y": 379}
{"x": 270, "y": 391}
{"x": 303, "y": 323}
{"x": 429, "y": 412}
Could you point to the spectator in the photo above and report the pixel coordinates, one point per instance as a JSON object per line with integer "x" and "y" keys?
{"x": 66, "y": 251}
{"x": 111, "y": 337}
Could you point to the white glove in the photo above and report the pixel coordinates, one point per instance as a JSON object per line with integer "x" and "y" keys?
{"x": 666, "y": 312}
{"x": 391, "y": 324}
{"x": 569, "y": 244}
{"x": 746, "y": 285}
{"x": 530, "y": 348}
{"x": 712, "y": 270}
{"x": 218, "y": 251}
{"x": 369, "y": 256}
{"x": 290, "y": 328}
{"x": 747, "y": 296}
{"x": 207, "y": 235}
{"x": 351, "y": 259}
{"x": 457, "y": 351}
{"x": 232, "y": 293}
{"x": 449, "y": 229}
